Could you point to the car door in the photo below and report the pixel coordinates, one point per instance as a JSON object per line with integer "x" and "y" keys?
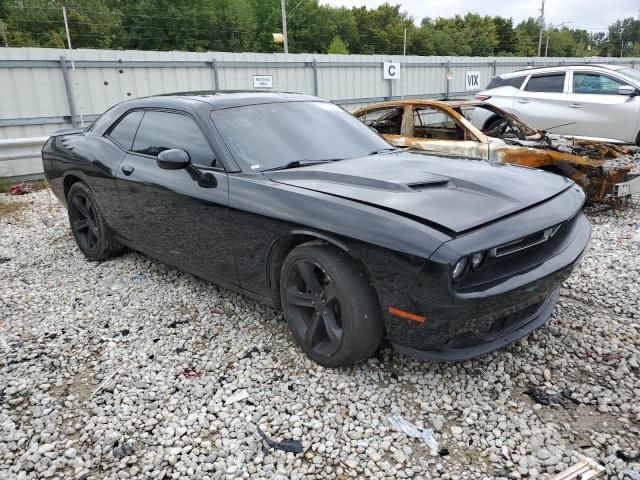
{"x": 597, "y": 109}
{"x": 542, "y": 102}
{"x": 168, "y": 213}
{"x": 435, "y": 130}
{"x": 387, "y": 121}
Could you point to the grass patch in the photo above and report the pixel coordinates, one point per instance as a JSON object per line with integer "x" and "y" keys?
{"x": 10, "y": 209}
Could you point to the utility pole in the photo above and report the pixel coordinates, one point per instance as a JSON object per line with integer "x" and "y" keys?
{"x": 66, "y": 27}
{"x": 541, "y": 29}
{"x": 284, "y": 25}
{"x": 404, "y": 61}
{"x": 4, "y": 34}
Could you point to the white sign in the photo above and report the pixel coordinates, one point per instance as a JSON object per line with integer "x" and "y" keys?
{"x": 263, "y": 81}
{"x": 472, "y": 81}
{"x": 391, "y": 71}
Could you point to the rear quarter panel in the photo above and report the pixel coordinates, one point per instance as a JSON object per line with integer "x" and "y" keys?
{"x": 89, "y": 158}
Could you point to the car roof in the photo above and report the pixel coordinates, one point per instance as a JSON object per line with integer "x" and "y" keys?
{"x": 555, "y": 68}
{"x": 222, "y": 99}
{"x": 423, "y": 102}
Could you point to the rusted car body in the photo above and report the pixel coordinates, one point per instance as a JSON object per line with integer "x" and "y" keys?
{"x": 608, "y": 172}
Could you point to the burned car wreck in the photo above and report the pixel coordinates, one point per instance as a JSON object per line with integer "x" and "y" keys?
{"x": 609, "y": 173}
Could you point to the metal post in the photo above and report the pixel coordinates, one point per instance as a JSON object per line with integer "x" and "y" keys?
{"x": 546, "y": 49}
{"x": 404, "y": 61}
{"x": 4, "y": 34}
{"x": 214, "y": 73}
{"x": 66, "y": 27}
{"x": 284, "y": 25}
{"x": 494, "y": 67}
{"x": 315, "y": 77}
{"x": 389, "y": 84}
{"x": 69, "y": 91}
{"x": 448, "y": 74}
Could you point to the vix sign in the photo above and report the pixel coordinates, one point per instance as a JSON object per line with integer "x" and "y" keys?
{"x": 472, "y": 81}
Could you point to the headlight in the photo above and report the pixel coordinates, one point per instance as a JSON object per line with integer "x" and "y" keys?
{"x": 459, "y": 268}
{"x": 476, "y": 260}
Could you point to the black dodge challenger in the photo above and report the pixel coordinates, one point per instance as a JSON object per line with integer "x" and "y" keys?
{"x": 291, "y": 200}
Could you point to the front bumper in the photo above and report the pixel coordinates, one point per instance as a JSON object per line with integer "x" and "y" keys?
{"x": 504, "y": 303}
{"x": 527, "y": 323}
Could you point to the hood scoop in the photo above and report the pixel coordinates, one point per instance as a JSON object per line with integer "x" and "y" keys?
{"x": 422, "y": 186}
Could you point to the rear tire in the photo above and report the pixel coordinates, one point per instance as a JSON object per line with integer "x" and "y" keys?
{"x": 331, "y": 307}
{"x": 94, "y": 238}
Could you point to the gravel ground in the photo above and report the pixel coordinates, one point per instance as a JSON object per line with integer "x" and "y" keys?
{"x": 130, "y": 369}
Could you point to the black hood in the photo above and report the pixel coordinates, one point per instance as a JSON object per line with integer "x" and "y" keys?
{"x": 455, "y": 194}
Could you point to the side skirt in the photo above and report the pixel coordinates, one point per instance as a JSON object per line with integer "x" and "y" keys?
{"x": 206, "y": 276}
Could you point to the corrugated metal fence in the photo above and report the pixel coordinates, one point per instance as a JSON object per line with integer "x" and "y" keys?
{"x": 42, "y": 90}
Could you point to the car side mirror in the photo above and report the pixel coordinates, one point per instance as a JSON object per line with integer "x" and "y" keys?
{"x": 627, "y": 90}
{"x": 173, "y": 159}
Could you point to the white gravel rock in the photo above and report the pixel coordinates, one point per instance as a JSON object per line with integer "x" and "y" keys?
{"x": 126, "y": 368}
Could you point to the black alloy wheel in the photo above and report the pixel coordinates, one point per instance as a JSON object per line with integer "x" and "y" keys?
{"x": 330, "y": 305}
{"x": 314, "y": 306}
{"x": 93, "y": 236}
{"x": 83, "y": 222}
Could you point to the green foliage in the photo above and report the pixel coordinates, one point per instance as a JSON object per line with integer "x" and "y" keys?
{"x": 337, "y": 46}
{"x": 247, "y": 25}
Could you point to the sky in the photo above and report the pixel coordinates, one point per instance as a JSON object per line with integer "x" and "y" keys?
{"x": 587, "y": 14}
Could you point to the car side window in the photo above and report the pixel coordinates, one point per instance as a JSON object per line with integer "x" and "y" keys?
{"x": 125, "y": 130}
{"x": 161, "y": 131}
{"x": 384, "y": 120}
{"x": 593, "y": 83}
{"x": 515, "y": 82}
{"x": 434, "y": 123}
{"x": 551, "y": 83}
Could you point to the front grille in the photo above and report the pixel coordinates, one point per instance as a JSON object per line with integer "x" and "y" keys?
{"x": 524, "y": 242}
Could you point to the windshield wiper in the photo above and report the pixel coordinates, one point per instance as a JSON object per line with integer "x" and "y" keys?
{"x": 296, "y": 164}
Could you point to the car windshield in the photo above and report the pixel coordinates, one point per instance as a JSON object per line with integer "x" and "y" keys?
{"x": 262, "y": 137}
{"x": 631, "y": 73}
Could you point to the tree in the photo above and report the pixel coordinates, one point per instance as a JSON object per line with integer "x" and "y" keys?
{"x": 506, "y": 36}
{"x": 247, "y": 25}
{"x": 337, "y": 46}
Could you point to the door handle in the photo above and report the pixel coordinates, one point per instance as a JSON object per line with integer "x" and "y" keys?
{"x": 523, "y": 100}
{"x": 575, "y": 105}
{"x": 127, "y": 170}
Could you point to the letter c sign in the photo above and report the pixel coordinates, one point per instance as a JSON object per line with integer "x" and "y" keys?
{"x": 391, "y": 71}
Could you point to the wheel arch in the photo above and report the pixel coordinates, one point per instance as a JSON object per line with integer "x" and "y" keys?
{"x": 69, "y": 179}
{"x": 280, "y": 248}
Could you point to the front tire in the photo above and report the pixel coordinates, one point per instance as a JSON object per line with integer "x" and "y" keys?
{"x": 93, "y": 236}
{"x": 330, "y": 305}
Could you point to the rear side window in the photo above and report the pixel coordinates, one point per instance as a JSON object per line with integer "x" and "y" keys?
{"x": 435, "y": 124}
{"x": 125, "y": 130}
{"x": 553, "y": 83}
{"x": 594, "y": 83}
{"x": 496, "y": 82}
{"x": 161, "y": 131}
